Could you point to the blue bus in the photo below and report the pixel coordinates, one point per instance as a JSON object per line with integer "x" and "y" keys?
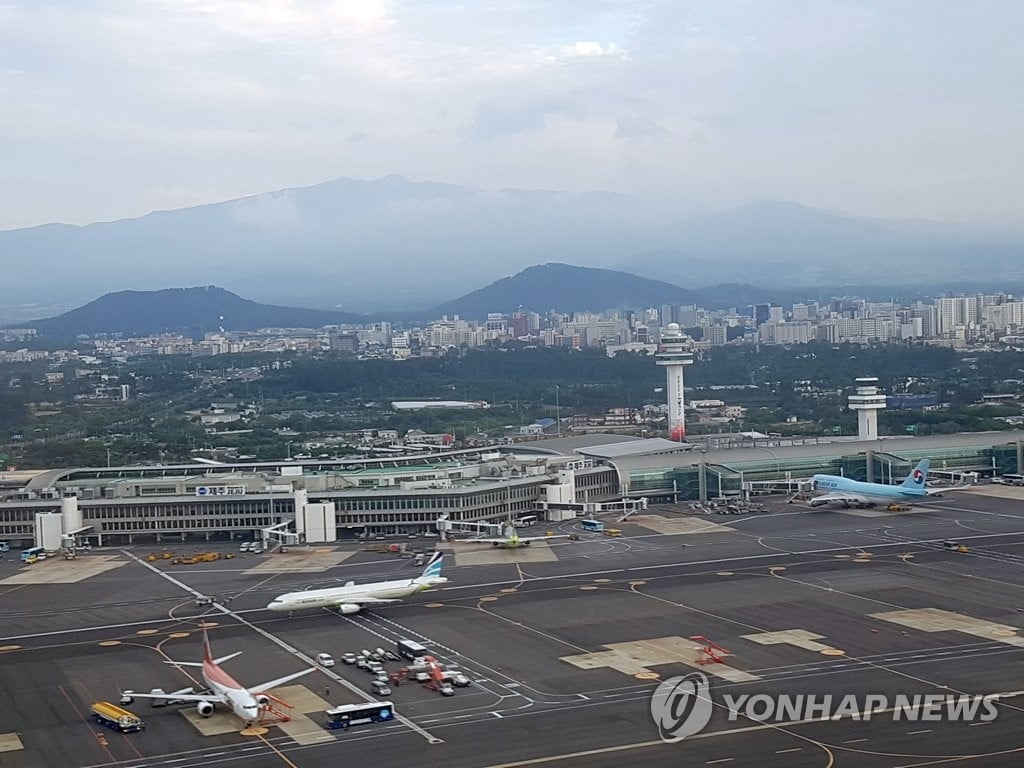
{"x": 33, "y": 554}
{"x": 596, "y": 526}
{"x": 358, "y": 714}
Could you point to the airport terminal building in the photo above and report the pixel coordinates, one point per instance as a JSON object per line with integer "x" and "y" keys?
{"x": 556, "y": 478}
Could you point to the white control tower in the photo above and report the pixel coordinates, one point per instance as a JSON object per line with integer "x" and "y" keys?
{"x": 673, "y": 353}
{"x": 867, "y": 402}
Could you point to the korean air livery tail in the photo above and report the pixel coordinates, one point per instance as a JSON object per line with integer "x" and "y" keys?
{"x": 916, "y": 480}
{"x": 432, "y": 573}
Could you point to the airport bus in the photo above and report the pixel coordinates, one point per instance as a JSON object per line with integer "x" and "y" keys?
{"x": 526, "y": 521}
{"x": 360, "y": 714}
{"x": 33, "y": 554}
{"x": 410, "y": 649}
{"x": 592, "y": 525}
{"x": 1011, "y": 478}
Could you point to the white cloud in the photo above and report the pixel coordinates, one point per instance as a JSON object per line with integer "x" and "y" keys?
{"x": 116, "y": 107}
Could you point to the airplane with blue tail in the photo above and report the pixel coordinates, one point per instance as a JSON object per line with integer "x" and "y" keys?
{"x": 353, "y": 597}
{"x": 854, "y": 492}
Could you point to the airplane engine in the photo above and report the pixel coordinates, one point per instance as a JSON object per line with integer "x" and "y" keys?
{"x": 348, "y": 608}
{"x": 263, "y": 700}
{"x": 204, "y": 708}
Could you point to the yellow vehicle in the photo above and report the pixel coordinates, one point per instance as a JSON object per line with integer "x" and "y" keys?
{"x": 613, "y": 532}
{"x": 116, "y": 718}
{"x": 187, "y": 561}
{"x": 206, "y": 557}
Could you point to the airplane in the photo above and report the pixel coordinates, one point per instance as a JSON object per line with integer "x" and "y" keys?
{"x": 511, "y": 539}
{"x": 248, "y": 704}
{"x": 353, "y": 597}
{"x": 847, "y": 491}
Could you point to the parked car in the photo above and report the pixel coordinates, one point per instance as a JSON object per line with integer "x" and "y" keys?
{"x": 447, "y": 690}
{"x": 348, "y": 658}
{"x": 457, "y": 678}
{"x": 325, "y": 660}
{"x": 380, "y": 688}
{"x": 244, "y": 546}
{"x": 361, "y": 662}
{"x": 256, "y": 549}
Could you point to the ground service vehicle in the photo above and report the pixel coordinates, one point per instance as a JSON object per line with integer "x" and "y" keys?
{"x": 115, "y": 717}
{"x": 32, "y": 554}
{"x": 410, "y": 649}
{"x": 596, "y": 526}
{"x": 5, "y": 546}
{"x": 360, "y": 714}
{"x": 612, "y": 532}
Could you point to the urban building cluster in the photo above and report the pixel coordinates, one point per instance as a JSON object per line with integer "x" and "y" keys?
{"x": 955, "y": 321}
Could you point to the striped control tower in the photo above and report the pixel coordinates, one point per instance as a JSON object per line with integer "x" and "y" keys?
{"x": 673, "y": 353}
{"x": 867, "y": 402}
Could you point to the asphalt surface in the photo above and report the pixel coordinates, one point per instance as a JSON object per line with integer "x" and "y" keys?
{"x": 507, "y": 627}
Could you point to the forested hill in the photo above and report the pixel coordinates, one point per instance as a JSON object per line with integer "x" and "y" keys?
{"x": 192, "y": 311}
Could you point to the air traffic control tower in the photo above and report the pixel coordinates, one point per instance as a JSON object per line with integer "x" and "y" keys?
{"x": 673, "y": 353}
{"x": 867, "y": 402}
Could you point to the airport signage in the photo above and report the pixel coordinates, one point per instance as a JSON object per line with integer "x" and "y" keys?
{"x": 220, "y": 490}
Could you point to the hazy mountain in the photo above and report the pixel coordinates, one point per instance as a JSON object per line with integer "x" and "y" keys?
{"x": 388, "y": 243}
{"x": 192, "y": 311}
{"x": 566, "y": 288}
{"x": 396, "y": 244}
{"x": 784, "y": 244}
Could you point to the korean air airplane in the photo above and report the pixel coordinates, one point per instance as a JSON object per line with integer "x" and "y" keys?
{"x": 853, "y": 492}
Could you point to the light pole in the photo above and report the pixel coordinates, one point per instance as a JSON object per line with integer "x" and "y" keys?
{"x": 558, "y": 413}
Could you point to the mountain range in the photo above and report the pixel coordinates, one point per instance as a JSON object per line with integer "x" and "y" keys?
{"x": 560, "y": 287}
{"x": 391, "y": 243}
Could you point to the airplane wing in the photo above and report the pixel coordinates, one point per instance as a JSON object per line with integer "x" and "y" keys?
{"x": 520, "y": 539}
{"x": 262, "y": 687}
{"x": 840, "y": 496}
{"x": 543, "y": 538}
{"x": 364, "y": 600}
{"x": 172, "y": 696}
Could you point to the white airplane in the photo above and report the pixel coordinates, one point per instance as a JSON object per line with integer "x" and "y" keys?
{"x": 353, "y": 597}
{"x": 511, "y": 539}
{"x": 248, "y": 704}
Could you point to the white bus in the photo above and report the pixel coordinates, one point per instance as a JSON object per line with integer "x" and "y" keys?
{"x": 359, "y": 714}
{"x": 526, "y": 521}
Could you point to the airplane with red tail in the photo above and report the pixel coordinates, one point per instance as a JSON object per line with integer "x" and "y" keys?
{"x": 249, "y": 704}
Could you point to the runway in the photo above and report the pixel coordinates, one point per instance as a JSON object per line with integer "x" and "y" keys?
{"x": 563, "y": 654}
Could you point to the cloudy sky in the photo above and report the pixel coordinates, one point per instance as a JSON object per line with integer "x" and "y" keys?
{"x": 915, "y": 108}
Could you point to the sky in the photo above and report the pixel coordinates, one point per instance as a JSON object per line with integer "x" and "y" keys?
{"x": 909, "y": 109}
